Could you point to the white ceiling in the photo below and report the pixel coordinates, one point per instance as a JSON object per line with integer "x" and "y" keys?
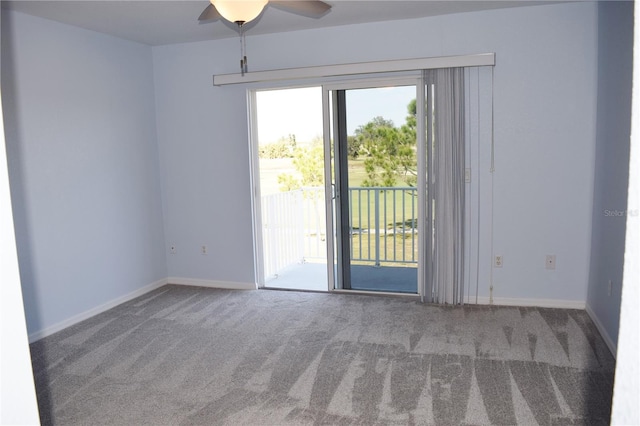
{"x": 158, "y": 22}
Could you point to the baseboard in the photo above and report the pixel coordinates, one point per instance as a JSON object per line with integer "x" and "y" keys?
{"x": 539, "y": 303}
{"x": 603, "y": 332}
{"x": 95, "y": 311}
{"x": 231, "y": 285}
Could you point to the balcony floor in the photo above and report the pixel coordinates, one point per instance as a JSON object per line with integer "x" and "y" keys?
{"x": 313, "y": 276}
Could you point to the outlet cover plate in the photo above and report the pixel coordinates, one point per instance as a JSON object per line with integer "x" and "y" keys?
{"x": 550, "y": 262}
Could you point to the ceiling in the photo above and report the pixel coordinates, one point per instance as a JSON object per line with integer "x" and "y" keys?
{"x": 159, "y": 22}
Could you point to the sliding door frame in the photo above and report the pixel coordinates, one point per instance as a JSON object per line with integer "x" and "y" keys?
{"x": 413, "y": 79}
{"x": 334, "y": 192}
{"x": 256, "y": 205}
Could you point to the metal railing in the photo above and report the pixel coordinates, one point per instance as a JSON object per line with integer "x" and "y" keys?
{"x": 383, "y": 226}
{"x": 385, "y": 229}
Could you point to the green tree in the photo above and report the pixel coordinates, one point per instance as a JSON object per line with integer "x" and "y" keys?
{"x": 283, "y": 148}
{"x": 389, "y": 155}
{"x": 390, "y": 152}
{"x": 288, "y": 182}
{"x": 353, "y": 147}
{"x": 408, "y": 156}
{"x": 309, "y": 164}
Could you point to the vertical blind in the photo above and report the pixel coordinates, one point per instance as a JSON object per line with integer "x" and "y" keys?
{"x": 459, "y": 145}
{"x": 445, "y": 128}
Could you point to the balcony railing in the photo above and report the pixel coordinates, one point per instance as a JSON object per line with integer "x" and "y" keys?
{"x": 383, "y": 227}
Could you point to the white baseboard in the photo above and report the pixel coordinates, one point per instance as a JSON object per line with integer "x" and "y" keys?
{"x": 95, "y": 311}
{"x": 539, "y": 303}
{"x": 603, "y": 332}
{"x": 211, "y": 283}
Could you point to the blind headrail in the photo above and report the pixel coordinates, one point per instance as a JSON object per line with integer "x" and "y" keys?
{"x": 477, "y": 60}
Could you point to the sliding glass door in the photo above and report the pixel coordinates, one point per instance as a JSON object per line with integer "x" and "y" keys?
{"x": 339, "y": 186}
{"x": 374, "y": 174}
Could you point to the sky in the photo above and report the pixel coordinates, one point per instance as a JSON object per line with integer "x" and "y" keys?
{"x": 299, "y": 111}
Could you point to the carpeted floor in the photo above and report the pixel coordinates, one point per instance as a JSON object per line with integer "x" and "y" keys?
{"x": 187, "y": 355}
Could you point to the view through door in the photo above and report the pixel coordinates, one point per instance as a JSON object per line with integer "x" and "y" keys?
{"x": 291, "y": 212}
{"x": 373, "y": 164}
{"x": 375, "y": 172}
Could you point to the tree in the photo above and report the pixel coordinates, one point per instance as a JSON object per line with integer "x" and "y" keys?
{"x": 283, "y": 148}
{"x": 408, "y": 159}
{"x": 390, "y": 152}
{"x": 378, "y": 141}
{"x": 309, "y": 163}
{"x": 353, "y": 147}
{"x": 389, "y": 155}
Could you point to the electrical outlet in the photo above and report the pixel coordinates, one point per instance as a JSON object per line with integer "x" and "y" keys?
{"x": 203, "y": 250}
{"x": 550, "y": 262}
{"x": 172, "y": 249}
{"x": 609, "y": 288}
{"x": 497, "y": 261}
{"x": 467, "y": 175}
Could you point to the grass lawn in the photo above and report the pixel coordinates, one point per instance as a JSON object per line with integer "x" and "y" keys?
{"x": 356, "y": 171}
{"x": 395, "y": 208}
{"x": 399, "y": 248}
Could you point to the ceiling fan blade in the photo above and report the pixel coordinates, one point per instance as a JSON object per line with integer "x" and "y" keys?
{"x": 310, "y": 8}
{"x": 210, "y": 13}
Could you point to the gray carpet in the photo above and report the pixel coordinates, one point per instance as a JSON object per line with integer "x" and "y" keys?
{"x": 186, "y": 355}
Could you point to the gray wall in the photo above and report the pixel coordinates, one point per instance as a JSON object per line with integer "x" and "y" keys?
{"x": 545, "y": 113}
{"x": 81, "y": 143}
{"x": 615, "y": 48}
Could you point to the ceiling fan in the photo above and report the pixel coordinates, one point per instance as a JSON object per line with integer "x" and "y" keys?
{"x": 242, "y": 11}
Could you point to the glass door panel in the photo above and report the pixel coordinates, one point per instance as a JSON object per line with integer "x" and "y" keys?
{"x": 289, "y": 135}
{"x": 376, "y": 204}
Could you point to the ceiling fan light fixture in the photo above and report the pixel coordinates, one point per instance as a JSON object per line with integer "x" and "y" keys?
{"x": 239, "y": 11}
